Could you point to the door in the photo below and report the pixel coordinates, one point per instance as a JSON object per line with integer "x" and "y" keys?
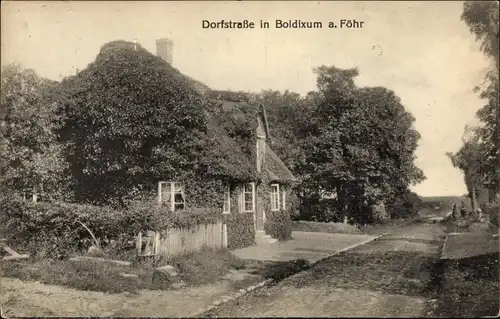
{"x": 259, "y": 212}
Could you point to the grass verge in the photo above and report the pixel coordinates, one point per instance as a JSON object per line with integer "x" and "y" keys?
{"x": 470, "y": 288}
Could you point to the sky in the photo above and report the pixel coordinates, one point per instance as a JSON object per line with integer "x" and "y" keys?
{"x": 420, "y": 50}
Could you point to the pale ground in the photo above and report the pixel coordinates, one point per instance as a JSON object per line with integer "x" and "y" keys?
{"x": 28, "y": 299}
{"x": 371, "y": 284}
{"x": 308, "y": 245}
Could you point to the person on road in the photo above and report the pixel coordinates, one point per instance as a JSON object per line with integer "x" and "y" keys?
{"x": 465, "y": 207}
{"x": 454, "y": 212}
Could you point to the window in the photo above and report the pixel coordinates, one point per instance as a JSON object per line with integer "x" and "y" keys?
{"x": 275, "y": 197}
{"x": 247, "y": 197}
{"x": 226, "y": 209}
{"x": 172, "y": 194}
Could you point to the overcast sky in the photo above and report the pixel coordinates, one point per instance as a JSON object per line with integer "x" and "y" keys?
{"x": 421, "y": 50}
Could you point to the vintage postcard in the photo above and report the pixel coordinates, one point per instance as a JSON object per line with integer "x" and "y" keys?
{"x": 249, "y": 159}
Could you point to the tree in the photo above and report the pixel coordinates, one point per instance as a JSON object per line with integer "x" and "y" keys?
{"x": 483, "y": 153}
{"x": 360, "y": 146}
{"x": 30, "y": 156}
{"x": 469, "y": 159}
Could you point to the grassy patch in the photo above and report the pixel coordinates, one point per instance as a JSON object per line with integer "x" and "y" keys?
{"x": 206, "y": 266}
{"x": 470, "y": 288}
{"x": 281, "y": 270}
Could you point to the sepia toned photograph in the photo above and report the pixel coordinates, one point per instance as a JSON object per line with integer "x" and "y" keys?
{"x": 249, "y": 159}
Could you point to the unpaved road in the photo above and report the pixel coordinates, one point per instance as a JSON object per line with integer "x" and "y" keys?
{"x": 34, "y": 299}
{"x": 387, "y": 277}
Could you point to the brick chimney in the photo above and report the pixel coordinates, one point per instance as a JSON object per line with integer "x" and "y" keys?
{"x": 164, "y": 49}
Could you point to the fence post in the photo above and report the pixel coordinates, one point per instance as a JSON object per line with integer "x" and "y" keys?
{"x": 138, "y": 243}
{"x": 157, "y": 244}
{"x": 224, "y": 234}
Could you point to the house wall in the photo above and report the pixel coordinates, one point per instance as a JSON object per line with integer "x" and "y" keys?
{"x": 240, "y": 226}
{"x": 278, "y": 224}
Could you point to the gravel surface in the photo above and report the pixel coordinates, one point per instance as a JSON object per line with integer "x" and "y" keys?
{"x": 387, "y": 277}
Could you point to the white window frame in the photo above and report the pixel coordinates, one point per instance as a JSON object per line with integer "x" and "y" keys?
{"x": 275, "y": 197}
{"x": 172, "y": 194}
{"x": 227, "y": 203}
{"x": 242, "y": 198}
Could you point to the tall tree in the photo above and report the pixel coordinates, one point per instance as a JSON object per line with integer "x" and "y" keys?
{"x": 361, "y": 144}
{"x": 482, "y": 154}
{"x": 30, "y": 156}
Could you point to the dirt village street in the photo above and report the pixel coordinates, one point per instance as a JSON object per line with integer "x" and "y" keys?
{"x": 387, "y": 277}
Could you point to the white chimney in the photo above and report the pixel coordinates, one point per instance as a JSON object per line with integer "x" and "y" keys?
{"x": 164, "y": 49}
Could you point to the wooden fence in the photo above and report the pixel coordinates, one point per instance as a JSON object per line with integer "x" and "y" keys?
{"x": 178, "y": 241}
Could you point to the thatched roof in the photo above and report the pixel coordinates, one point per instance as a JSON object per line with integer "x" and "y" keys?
{"x": 229, "y": 141}
{"x": 276, "y": 169}
{"x": 246, "y": 115}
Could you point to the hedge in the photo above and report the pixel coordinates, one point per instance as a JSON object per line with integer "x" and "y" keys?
{"x": 278, "y": 224}
{"x": 52, "y": 229}
{"x": 240, "y": 230}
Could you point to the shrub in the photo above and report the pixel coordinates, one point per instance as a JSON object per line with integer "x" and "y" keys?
{"x": 493, "y": 211}
{"x": 405, "y": 205}
{"x": 52, "y": 229}
{"x": 240, "y": 230}
{"x": 324, "y": 210}
{"x": 278, "y": 224}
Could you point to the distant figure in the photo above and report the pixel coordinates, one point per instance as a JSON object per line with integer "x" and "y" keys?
{"x": 454, "y": 212}
{"x": 465, "y": 207}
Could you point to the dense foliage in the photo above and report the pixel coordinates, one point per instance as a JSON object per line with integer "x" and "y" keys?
{"x": 30, "y": 157}
{"x": 360, "y": 146}
{"x": 479, "y": 157}
{"x": 52, "y": 229}
{"x": 131, "y": 120}
{"x": 279, "y": 224}
{"x": 240, "y": 230}
{"x": 405, "y": 205}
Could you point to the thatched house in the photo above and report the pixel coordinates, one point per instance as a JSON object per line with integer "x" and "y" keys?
{"x": 199, "y": 149}
{"x": 242, "y": 130}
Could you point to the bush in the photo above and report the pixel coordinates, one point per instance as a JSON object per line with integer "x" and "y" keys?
{"x": 52, "y": 229}
{"x": 494, "y": 214}
{"x": 278, "y": 224}
{"x": 240, "y": 230}
{"x": 324, "y": 210}
{"x": 405, "y": 205}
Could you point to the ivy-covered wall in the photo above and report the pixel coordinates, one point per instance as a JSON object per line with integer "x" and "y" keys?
{"x": 240, "y": 226}
{"x": 278, "y": 224}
